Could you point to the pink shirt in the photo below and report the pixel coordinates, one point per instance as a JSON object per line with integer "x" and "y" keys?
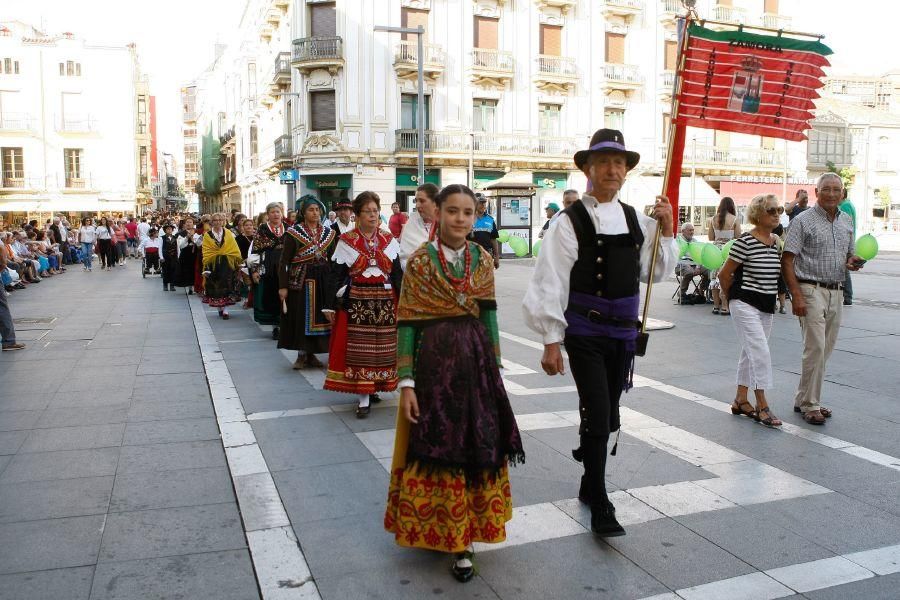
{"x": 120, "y": 234}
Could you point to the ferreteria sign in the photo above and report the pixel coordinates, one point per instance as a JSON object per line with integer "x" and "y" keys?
{"x": 755, "y": 179}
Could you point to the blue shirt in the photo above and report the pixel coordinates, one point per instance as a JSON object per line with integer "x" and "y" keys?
{"x": 484, "y": 232}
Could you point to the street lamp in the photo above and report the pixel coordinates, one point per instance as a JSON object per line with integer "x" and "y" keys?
{"x": 420, "y": 100}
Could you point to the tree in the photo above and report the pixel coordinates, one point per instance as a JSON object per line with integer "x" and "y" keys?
{"x": 847, "y": 174}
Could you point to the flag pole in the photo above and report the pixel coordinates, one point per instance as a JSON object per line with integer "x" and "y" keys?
{"x": 667, "y": 174}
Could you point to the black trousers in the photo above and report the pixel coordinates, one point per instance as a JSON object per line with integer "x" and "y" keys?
{"x": 151, "y": 261}
{"x": 598, "y": 367}
{"x": 107, "y": 251}
{"x": 169, "y": 270}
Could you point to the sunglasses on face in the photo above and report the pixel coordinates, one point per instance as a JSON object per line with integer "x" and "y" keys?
{"x": 774, "y": 211}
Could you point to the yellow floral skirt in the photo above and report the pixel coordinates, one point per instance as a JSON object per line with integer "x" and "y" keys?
{"x": 435, "y": 510}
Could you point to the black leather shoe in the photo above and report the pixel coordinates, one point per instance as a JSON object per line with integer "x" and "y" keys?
{"x": 363, "y": 411}
{"x": 463, "y": 574}
{"x": 603, "y": 521}
{"x": 374, "y": 398}
{"x": 275, "y": 331}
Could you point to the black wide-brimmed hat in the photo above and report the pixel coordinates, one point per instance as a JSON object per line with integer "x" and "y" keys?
{"x": 342, "y": 203}
{"x": 607, "y": 140}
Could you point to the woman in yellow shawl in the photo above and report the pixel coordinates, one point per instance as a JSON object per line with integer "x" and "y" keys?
{"x": 221, "y": 260}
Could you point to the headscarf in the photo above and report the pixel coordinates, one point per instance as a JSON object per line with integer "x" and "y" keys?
{"x": 307, "y": 201}
{"x": 229, "y": 249}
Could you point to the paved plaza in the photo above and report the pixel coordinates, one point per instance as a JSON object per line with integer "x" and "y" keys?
{"x": 150, "y": 450}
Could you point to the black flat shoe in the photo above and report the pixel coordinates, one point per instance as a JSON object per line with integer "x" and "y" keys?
{"x": 275, "y": 333}
{"x": 363, "y": 411}
{"x": 374, "y": 398}
{"x": 463, "y": 574}
{"x": 584, "y": 495}
{"x": 603, "y": 521}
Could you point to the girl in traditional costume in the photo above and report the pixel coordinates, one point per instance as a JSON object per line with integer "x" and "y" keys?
{"x": 265, "y": 254}
{"x": 246, "y": 231}
{"x": 417, "y": 230}
{"x": 302, "y": 280}
{"x": 221, "y": 260}
{"x": 363, "y": 283}
{"x": 169, "y": 257}
{"x": 456, "y": 432}
{"x": 188, "y": 242}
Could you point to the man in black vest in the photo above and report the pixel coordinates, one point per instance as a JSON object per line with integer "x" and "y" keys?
{"x": 585, "y": 292}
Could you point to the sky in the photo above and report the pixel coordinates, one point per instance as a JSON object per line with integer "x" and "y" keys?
{"x": 175, "y": 38}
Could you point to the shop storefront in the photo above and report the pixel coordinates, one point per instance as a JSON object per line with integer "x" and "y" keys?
{"x": 329, "y": 188}
{"x": 549, "y": 186}
{"x": 406, "y": 184}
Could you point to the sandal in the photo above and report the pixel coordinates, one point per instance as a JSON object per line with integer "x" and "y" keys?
{"x": 769, "y": 421}
{"x": 826, "y": 412}
{"x": 737, "y": 409}
{"x": 814, "y": 417}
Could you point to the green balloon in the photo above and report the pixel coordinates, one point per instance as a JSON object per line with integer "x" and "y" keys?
{"x": 682, "y": 247}
{"x": 536, "y": 248}
{"x": 519, "y": 245}
{"x": 726, "y": 249}
{"x": 711, "y": 257}
{"x": 696, "y": 250}
{"x": 867, "y": 247}
{"x": 503, "y": 237}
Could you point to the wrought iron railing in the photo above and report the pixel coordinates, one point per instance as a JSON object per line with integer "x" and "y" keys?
{"x": 407, "y": 52}
{"x": 318, "y": 48}
{"x": 562, "y": 66}
{"x": 493, "y": 60}
{"x": 507, "y": 144}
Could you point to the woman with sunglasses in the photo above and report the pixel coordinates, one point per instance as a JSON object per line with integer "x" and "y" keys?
{"x": 749, "y": 282}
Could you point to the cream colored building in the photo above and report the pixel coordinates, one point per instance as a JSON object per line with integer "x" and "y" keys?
{"x": 70, "y": 126}
{"x": 511, "y": 86}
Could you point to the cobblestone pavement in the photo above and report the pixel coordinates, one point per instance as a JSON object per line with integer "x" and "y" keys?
{"x": 150, "y": 450}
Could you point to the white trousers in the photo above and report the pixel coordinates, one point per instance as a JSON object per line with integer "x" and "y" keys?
{"x": 820, "y": 331}
{"x": 753, "y": 329}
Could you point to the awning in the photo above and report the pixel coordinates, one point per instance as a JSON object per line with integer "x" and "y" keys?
{"x": 642, "y": 191}
{"x": 742, "y": 192}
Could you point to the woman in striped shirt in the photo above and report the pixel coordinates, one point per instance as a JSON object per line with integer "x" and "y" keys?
{"x": 750, "y": 276}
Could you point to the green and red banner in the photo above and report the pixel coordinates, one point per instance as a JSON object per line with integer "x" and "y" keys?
{"x": 750, "y": 83}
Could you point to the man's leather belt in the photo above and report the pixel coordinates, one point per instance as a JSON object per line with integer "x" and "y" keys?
{"x": 827, "y": 286}
{"x": 595, "y": 317}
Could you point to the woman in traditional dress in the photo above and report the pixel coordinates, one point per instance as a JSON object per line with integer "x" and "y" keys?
{"x": 264, "y": 256}
{"x": 363, "y": 282}
{"x": 302, "y": 275}
{"x": 221, "y": 260}
{"x": 188, "y": 249}
{"x": 417, "y": 230}
{"x": 199, "y": 283}
{"x": 246, "y": 232}
{"x": 169, "y": 257}
{"x": 456, "y": 432}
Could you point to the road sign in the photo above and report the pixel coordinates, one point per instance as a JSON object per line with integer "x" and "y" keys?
{"x": 288, "y": 176}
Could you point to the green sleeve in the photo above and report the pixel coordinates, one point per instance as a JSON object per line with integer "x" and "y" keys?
{"x": 406, "y": 351}
{"x": 489, "y": 318}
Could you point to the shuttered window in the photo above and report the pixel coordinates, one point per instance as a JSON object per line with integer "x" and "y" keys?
{"x": 615, "y": 48}
{"x": 322, "y": 20}
{"x": 551, "y": 40}
{"x": 412, "y": 18}
{"x": 722, "y": 139}
{"x": 770, "y": 7}
{"x": 486, "y": 33}
{"x": 671, "y": 56}
{"x": 666, "y": 126}
{"x": 727, "y": 3}
{"x": 322, "y": 111}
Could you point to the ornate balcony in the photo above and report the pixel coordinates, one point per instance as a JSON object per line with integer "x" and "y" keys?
{"x": 562, "y": 5}
{"x": 710, "y": 160}
{"x": 775, "y": 21}
{"x": 280, "y": 78}
{"x": 669, "y": 10}
{"x": 622, "y": 8}
{"x": 730, "y": 14}
{"x": 318, "y": 53}
{"x": 488, "y": 148}
{"x": 15, "y": 182}
{"x": 622, "y": 77}
{"x": 666, "y": 85}
{"x": 16, "y": 122}
{"x": 555, "y": 73}
{"x": 76, "y": 124}
{"x": 406, "y": 61}
{"x": 492, "y": 68}
{"x": 273, "y": 16}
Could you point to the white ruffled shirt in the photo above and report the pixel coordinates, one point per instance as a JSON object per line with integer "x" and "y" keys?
{"x": 415, "y": 233}
{"x": 547, "y": 297}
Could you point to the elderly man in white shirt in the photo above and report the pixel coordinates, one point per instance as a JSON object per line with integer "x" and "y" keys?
{"x": 585, "y": 291}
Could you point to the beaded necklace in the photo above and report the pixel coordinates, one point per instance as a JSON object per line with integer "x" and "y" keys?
{"x": 371, "y": 247}
{"x": 278, "y": 230}
{"x": 459, "y": 284}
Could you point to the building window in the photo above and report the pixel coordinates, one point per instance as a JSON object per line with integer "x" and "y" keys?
{"x": 409, "y": 113}
{"x": 828, "y": 144}
{"x": 484, "y": 115}
{"x": 9, "y": 66}
{"x": 251, "y": 81}
{"x": 322, "y": 20}
{"x": 770, "y": 7}
{"x": 615, "y": 48}
{"x": 412, "y": 18}
{"x": 614, "y": 118}
{"x": 73, "y": 167}
{"x": 70, "y": 68}
{"x": 254, "y": 147}
{"x": 13, "y": 168}
{"x": 143, "y": 167}
{"x": 549, "y": 120}
{"x": 551, "y": 40}
{"x": 883, "y": 153}
{"x": 142, "y": 114}
{"x": 671, "y": 57}
{"x": 486, "y": 33}
{"x": 322, "y": 111}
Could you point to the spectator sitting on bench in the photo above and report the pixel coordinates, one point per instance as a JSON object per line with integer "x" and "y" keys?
{"x": 687, "y": 269}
